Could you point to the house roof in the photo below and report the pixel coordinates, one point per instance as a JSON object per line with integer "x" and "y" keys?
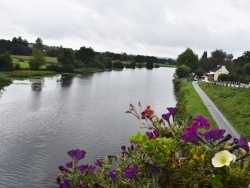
{"x": 217, "y": 68}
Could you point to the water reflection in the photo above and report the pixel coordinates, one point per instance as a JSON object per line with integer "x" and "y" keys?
{"x": 66, "y": 79}
{"x": 37, "y": 85}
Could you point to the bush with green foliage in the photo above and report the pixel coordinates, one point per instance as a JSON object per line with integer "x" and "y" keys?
{"x": 118, "y": 65}
{"x": 223, "y": 77}
{"x": 183, "y": 71}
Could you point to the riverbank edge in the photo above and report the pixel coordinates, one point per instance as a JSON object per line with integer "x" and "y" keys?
{"x": 189, "y": 102}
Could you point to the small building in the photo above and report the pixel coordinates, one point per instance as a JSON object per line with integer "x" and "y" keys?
{"x": 213, "y": 74}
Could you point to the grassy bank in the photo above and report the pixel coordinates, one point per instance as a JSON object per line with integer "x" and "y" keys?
{"x": 31, "y": 74}
{"x": 4, "y": 80}
{"x": 87, "y": 70}
{"x": 190, "y": 103}
{"x": 234, "y": 103}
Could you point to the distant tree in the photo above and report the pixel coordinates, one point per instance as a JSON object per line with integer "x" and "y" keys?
{"x": 199, "y": 72}
{"x": 149, "y": 65}
{"x": 66, "y": 58}
{"x": 118, "y": 64}
{"x": 247, "y": 69}
{"x": 38, "y": 59}
{"x": 183, "y": 71}
{"x": 140, "y": 65}
{"x": 189, "y": 59}
{"x": 85, "y": 54}
{"x": 38, "y": 44}
{"x": 6, "y": 62}
{"x": 5, "y": 46}
{"x": 132, "y": 65}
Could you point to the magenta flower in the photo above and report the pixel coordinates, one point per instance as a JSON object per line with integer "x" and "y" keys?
{"x": 65, "y": 184}
{"x": 154, "y": 169}
{"x": 214, "y": 135}
{"x": 92, "y": 169}
{"x": 202, "y": 121}
{"x": 152, "y": 135}
{"x": 98, "y": 162}
{"x": 82, "y": 168}
{"x": 113, "y": 176}
{"x": 131, "y": 173}
{"x": 69, "y": 164}
{"x": 243, "y": 143}
{"x": 173, "y": 111}
{"x": 166, "y": 117}
{"x": 191, "y": 135}
{"x": 77, "y": 154}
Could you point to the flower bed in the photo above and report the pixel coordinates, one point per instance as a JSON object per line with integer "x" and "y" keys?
{"x": 186, "y": 153}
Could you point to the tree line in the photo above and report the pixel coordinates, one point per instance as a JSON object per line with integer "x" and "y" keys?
{"x": 239, "y": 68}
{"x": 70, "y": 59}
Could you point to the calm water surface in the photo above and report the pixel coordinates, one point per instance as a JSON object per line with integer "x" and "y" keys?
{"x": 40, "y": 121}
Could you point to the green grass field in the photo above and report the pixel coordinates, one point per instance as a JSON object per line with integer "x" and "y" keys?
{"x": 27, "y": 58}
{"x": 234, "y": 103}
{"x": 194, "y": 104}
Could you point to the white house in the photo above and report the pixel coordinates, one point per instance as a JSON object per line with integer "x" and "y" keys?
{"x": 213, "y": 74}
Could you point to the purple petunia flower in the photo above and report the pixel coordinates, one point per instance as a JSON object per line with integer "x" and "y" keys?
{"x": 113, "y": 176}
{"x": 214, "y": 135}
{"x": 82, "y": 168}
{"x": 152, "y": 135}
{"x": 98, "y": 162}
{"x": 92, "y": 169}
{"x": 65, "y": 184}
{"x": 173, "y": 111}
{"x": 77, "y": 154}
{"x": 166, "y": 117}
{"x": 69, "y": 164}
{"x": 131, "y": 173}
{"x": 243, "y": 143}
{"x": 191, "y": 135}
{"x": 154, "y": 169}
{"x": 203, "y": 122}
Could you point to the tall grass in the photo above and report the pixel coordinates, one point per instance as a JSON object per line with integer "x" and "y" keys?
{"x": 234, "y": 103}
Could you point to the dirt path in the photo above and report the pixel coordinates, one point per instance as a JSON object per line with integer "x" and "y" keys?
{"x": 219, "y": 118}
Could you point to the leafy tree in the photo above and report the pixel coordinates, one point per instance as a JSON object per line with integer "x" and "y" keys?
{"x": 118, "y": 64}
{"x": 150, "y": 65}
{"x": 247, "y": 69}
{"x": 5, "y": 45}
{"x": 199, "y": 72}
{"x": 85, "y": 54}
{"x": 66, "y": 58}
{"x": 6, "y": 62}
{"x": 38, "y": 44}
{"x": 38, "y": 59}
{"x": 189, "y": 59}
{"x": 183, "y": 71}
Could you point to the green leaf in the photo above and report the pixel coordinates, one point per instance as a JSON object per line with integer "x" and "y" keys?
{"x": 215, "y": 181}
{"x": 158, "y": 158}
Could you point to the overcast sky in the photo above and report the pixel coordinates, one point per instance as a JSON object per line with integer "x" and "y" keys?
{"x": 163, "y": 28}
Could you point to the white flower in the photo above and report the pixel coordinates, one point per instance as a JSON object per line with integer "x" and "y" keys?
{"x": 223, "y": 158}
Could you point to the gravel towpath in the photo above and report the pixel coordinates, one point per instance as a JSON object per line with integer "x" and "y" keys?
{"x": 219, "y": 118}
